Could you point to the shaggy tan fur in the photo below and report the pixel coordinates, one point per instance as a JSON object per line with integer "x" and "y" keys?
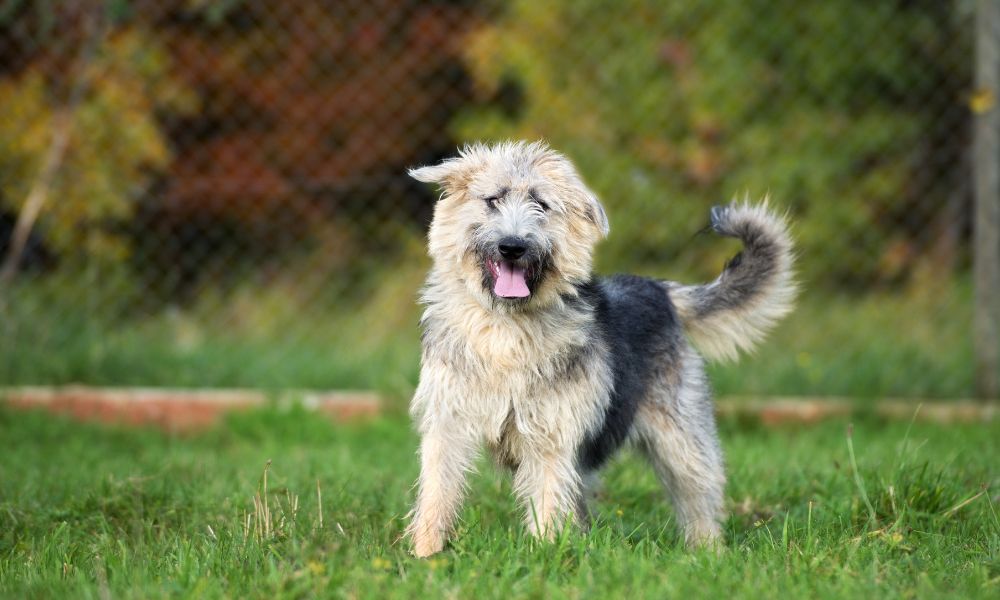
{"x": 534, "y": 377}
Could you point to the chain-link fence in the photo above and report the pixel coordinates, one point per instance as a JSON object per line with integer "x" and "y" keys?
{"x": 213, "y": 192}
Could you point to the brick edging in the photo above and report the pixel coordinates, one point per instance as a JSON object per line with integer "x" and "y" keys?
{"x": 180, "y": 409}
{"x": 810, "y": 409}
{"x": 191, "y": 409}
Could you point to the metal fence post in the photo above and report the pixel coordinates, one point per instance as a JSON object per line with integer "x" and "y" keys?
{"x": 986, "y": 167}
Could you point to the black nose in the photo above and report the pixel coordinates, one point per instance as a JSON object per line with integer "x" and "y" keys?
{"x": 512, "y": 248}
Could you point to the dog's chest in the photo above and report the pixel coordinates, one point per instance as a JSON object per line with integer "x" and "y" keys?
{"x": 510, "y": 400}
{"x": 553, "y": 399}
{"x": 521, "y": 379}
{"x": 520, "y": 349}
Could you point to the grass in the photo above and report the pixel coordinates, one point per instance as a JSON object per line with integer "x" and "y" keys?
{"x": 88, "y": 511}
{"x": 901, "y": 344}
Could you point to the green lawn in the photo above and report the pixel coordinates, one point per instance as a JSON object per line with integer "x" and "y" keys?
{"x": 87, "y": 511}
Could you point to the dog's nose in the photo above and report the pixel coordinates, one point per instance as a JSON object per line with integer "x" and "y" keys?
{"x": 512, "y": 248}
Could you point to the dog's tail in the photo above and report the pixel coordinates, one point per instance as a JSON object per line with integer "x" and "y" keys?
{"x": 755, "y": 289}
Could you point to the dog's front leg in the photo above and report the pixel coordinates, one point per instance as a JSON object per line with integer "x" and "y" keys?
{"x": 446, "y": 455}
{"x": 550, "y": 487}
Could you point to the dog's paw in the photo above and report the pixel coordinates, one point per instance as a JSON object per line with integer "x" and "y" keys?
{"x": 426, "y": 541}
{"x": 704, "y": 534}
{"x": 426, "y": 548}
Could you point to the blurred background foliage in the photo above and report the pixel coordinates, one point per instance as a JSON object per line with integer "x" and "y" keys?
{"x": 117, "y": 142}
{"x": 232, "y": 207}
{"x": 848, "y": 113}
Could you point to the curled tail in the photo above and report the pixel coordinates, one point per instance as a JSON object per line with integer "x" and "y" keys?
{"x": 755, "y": 289}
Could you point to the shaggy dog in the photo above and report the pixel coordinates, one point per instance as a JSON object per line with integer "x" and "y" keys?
{"x": 554, "y": 369}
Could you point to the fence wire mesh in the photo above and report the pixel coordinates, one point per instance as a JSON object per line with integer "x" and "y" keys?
{"x": 214, "y": 192}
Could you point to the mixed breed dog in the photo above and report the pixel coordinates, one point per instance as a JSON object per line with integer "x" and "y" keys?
{"x": 553, "y": 369}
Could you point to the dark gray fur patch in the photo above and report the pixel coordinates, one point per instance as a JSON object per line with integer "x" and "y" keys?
{"x": 637, "y": 322}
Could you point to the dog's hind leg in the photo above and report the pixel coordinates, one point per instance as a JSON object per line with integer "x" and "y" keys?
{"x": 679, "y": 437}
{"x": 446, "y": 456}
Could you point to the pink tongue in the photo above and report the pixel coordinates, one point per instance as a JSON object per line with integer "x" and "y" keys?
{"x": 510, "y": 281}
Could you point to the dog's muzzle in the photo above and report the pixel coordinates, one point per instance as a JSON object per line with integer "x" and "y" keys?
{"x": 510, "y": 272}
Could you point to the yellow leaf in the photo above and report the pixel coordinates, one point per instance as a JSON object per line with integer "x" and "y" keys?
{"x": 982, "y": 100}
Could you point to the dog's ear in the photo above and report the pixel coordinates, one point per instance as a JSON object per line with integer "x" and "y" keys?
{"x": 451, "y": 175}
{"x": 595, "y": 213}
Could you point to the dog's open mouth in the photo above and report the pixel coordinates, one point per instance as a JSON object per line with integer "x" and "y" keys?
{"x": 509, "y": 280}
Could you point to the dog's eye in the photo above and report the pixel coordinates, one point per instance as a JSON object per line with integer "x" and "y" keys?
{"x": 491, "y": 201}
{"x": 534, "y": 198}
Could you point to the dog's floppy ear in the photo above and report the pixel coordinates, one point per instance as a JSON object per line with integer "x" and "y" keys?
{"x": 594, "y": 211}
{"x": 451, "y": 174}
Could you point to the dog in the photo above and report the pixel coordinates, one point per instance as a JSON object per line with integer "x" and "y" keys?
{"x": 525, "y": 351}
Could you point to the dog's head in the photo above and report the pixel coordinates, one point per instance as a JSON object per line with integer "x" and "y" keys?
{"x": 515, "y": 223}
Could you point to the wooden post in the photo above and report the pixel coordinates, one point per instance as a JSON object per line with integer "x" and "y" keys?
{"x": 986, "y": 167}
